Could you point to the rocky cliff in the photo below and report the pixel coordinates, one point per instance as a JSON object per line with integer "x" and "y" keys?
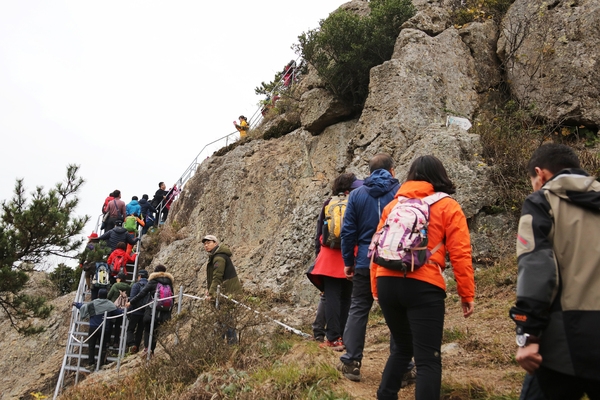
{"x": 262, "y": 197}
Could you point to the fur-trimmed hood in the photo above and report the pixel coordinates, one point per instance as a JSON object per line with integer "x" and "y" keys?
{"x": 157, "y": 275}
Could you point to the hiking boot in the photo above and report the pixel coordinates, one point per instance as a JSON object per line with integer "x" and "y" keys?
{"x": 336, "y": 345}
{"x": 320, "y": 339}
{"x": 409, "y": 377}
{"x": 133, "y": 349}
{"x": 350, "y": 371}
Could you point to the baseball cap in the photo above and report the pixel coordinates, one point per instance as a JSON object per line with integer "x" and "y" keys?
{"x": 211, "y": 238}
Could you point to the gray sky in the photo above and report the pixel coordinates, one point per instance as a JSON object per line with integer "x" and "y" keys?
{"x": 132, "y": 90}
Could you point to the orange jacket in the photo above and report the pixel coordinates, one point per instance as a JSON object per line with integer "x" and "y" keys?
{"x": 447, "y": 223}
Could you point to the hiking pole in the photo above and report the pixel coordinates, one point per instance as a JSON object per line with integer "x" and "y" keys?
{"x": 287, "y": 327}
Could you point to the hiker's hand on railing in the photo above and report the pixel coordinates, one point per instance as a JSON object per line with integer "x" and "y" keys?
{"x": 127, "y": 304}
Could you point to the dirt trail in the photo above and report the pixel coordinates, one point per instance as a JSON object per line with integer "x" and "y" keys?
{"x": 482, "y": 360}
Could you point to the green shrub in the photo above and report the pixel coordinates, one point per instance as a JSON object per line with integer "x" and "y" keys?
{"x": 65, "y": 278}
{"x": 346, "y": 46}
{"x": 479, "y": 10}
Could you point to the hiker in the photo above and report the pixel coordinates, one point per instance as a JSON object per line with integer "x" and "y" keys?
{"x": 159, "y": 200}
{"x": 116, "y": 235}
{"x": 111, "y": 197}
{"x": 115, "y": 210}
{"x": 146, "y": 207}
{"x": 171, "y": 196}
{"x": 329, "y": 264}
{"x": 220, "y": 271}
{"x": 95, "y": 310}
{"x": 289, "y": 72}
{"x": 412, "y": 302}
{"x": 360, "y": 220}
{"x": 120, "y": 285}
{"x": 133, "y": 207}
{"x": 95, "y": 251}
{"x": 242, "y": 127}
{"x": 120, "y": 290}
{"x": 135, "y": 329}
{"x": 118, "y": 260}
{"x": 158, "y": 279}
{"x": 557, "y": 312}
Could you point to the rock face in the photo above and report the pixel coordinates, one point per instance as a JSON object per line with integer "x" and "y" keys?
{"x": 550, "y": 51}
{"x": 31, "y": 363}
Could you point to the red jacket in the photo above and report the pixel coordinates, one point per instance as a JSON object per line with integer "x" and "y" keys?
{"x": 129, "y": 259}
{"x": 447, "y": 225}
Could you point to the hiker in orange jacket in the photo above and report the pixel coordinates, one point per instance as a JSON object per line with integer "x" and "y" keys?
{"x": 413, "y": 305}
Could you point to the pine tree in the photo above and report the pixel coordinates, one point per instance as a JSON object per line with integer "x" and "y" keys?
{"x": 32, "y": 229}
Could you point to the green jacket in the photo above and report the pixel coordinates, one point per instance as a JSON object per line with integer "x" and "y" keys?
{"x": 220, "y": 271}
{"x": 115, "y": 290}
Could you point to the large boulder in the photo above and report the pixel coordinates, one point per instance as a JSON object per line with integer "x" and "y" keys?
{"x": 319, "y": 108}
{"x": 432, "y": 20}
{"x": 426, "y": 79}
{"x": 550, "y": 53}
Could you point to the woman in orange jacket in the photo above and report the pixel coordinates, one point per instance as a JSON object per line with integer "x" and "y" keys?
{"x": 413, "y": 303}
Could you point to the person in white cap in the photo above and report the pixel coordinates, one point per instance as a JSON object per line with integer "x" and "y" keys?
{"x": 220, "y": 270}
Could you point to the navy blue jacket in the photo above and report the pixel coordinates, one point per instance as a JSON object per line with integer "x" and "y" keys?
{"x": 135, "y": 289}
{"x": 116, "y": 235}
{"x": 146, "y": 207}
{"x": 363, "y": 211}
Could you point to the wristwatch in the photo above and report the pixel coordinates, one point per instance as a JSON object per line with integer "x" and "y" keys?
{"x": 525, "y": 338}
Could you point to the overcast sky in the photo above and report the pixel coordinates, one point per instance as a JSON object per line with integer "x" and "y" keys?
{"x": 132, "y": 90}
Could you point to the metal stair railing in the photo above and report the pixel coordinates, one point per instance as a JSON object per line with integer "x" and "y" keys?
{"x": 121, "y": 354}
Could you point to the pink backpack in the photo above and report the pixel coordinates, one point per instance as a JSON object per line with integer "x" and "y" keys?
{"x": 401, "y": 244}
{"x": 165, "y": 294}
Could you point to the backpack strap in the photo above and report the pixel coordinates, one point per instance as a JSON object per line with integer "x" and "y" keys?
{"x": 434, "y": 198}
{"x": 437, "y": 196}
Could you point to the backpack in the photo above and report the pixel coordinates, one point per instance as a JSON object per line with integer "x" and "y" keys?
{"x": 149, "y": 221}
{"x": 121, "y": 301}
{"x": 334, "y": 218}
{"x": 119, "y": 264}
{"x": 101, "y": 279}
{"x": 164, "y": 291}
{"x": 401, "y": 244}
{"x": 130, "y": 223}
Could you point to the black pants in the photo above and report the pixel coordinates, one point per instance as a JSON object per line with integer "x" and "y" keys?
{"x": 320, "y": 321}
{"x": 556, "y": 385}
{"x": 94, "y": 339}
{"x": 338, "y": 292}
{"x": 414, "y": 312}
{"x": 135, "y": 330}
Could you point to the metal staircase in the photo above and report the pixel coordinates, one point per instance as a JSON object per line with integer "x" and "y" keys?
{"x": 75, "y": 359}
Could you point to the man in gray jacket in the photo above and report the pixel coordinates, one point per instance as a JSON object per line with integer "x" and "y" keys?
{"x": 557, "y": 312}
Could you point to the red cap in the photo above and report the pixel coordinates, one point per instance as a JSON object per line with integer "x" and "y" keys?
{"x": 94, "y": 235}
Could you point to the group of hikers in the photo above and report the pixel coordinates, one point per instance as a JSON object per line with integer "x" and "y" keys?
{"x": 138, "y": 212}
{"x": 379, "y": 240}
{"x": 105, "y": 260}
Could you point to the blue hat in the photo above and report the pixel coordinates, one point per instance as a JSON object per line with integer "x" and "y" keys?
{"x": 102, "y": 293}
